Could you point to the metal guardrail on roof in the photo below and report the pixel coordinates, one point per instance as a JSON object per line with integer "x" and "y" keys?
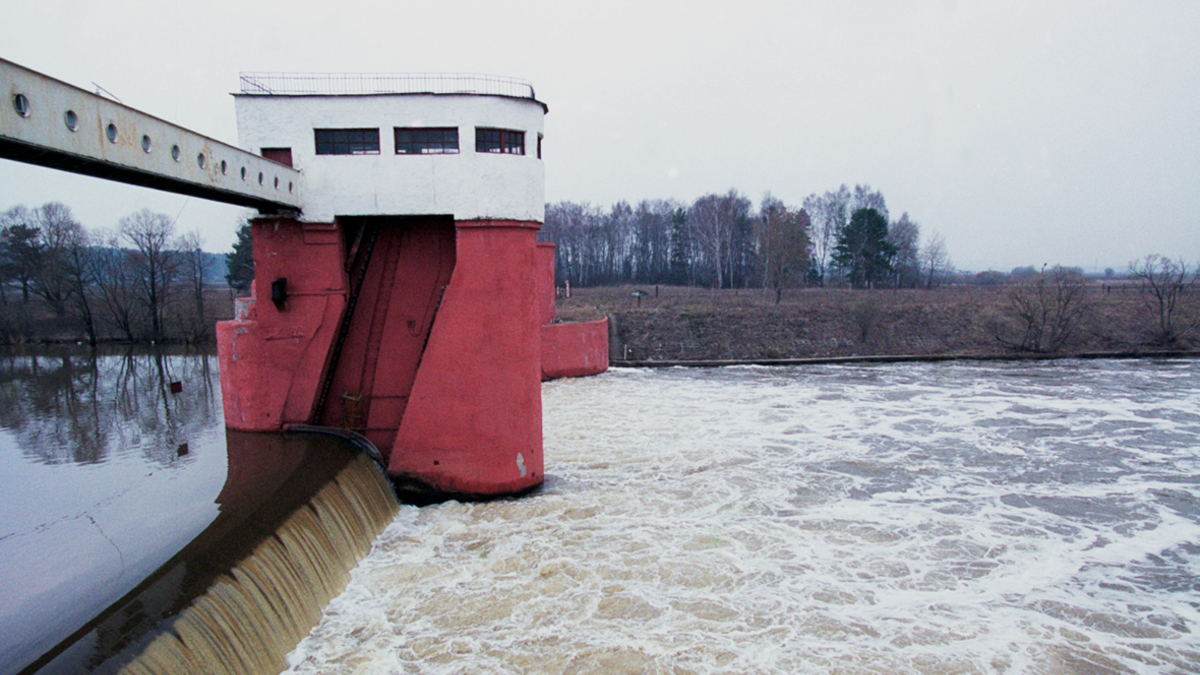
{"x": 349, "y": 84}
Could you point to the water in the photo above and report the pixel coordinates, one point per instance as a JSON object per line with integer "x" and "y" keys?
{"x": 138, "y": 535}
{"x": 106, "y": 475}
{"x": 931, "y": 518}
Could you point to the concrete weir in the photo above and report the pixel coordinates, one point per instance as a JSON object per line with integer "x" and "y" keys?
{"x": 297, "y": 513}
{"x": 400, "y": 293}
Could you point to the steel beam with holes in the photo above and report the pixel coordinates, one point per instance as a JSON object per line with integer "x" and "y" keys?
{"x": 48, "y": 122}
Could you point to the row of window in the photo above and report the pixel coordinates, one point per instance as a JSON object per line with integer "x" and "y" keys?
{"x": 420, "y": 141}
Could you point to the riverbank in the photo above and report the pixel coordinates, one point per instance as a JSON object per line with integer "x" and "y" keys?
{"x": 689, "y": 326}
{"x": 118, "y": 324}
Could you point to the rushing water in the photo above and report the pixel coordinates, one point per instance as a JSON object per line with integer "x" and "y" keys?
{"x": 933, "y": 518}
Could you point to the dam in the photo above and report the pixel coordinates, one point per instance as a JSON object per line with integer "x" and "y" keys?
{"x": 400, "y": 292}
{"x": 401, "y": 301}
{"x": 949, "y": 517}
{"x": 943, "y": 518}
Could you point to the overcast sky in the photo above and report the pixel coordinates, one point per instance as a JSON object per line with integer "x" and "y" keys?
{"x": 1023, "y": 132}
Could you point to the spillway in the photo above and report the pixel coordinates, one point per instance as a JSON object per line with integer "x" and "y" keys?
{"x": 143, "y": 537}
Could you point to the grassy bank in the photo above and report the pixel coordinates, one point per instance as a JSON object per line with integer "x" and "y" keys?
{"x": 691, "y": 324}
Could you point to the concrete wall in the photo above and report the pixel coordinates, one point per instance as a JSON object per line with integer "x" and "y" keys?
{"x": 545, "y": 282}
{"x": 574, "y": 349}
{"x": 272, "y": 357}
{"x": 467, "y": 185}
{"x": 473, "y": 424}
{"x": 69, "y": 128}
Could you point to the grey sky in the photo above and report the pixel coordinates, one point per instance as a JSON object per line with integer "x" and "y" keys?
{"x": 1023, "y": 132}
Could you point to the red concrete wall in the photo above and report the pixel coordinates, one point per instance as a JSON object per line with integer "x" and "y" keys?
{"x": 273, "y": 358}
{"x": 568, "y": 349}
{"x": 545, "y": 281}
{"x": 574, "y": 349}
{"x": 450, "y": 341}
{"x": 473, "y": 424}
{"x": 411, "y": 263}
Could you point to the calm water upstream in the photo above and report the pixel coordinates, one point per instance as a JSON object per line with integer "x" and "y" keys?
{"x": 933, "y": 518}
{"x": 135, "y": 529}
{"x": 107, "y": 474}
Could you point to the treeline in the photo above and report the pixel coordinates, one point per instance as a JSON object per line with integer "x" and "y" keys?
{"x": 141, "y": 281}
{"x": 840, "y": 238}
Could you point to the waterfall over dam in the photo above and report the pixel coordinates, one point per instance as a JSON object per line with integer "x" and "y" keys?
{"x": 185, "y": 547}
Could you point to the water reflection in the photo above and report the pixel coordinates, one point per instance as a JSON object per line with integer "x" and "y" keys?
{"x": 86, "y": 408}
{"x": 107, "y": 474}
{"x": 126, "y": 499}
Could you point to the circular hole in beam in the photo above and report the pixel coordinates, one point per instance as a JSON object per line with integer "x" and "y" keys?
{"x": 71, "y": 120}
{"x": 260, "y": 178}
{"x": 146, "y": 143}
{"x": 289, "y": 187}
{"x": 200, "y": 159}
{"x": 111, "y": 132}
{"x": 21, "y": 103}
{"x": 224, "y": 167}
{"x": 243, "y": 173}
{"x": 175, "y": 152}
{"x": 277, "y": 182}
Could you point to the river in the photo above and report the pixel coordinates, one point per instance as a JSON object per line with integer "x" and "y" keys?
{"x": 923, "y": 518}
{"x": 108, "y": 471}
{"x": 954, "y": 517}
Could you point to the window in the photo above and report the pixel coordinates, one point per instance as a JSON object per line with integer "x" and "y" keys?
{"x": 427, "y": 141}
{"x": 504, "y": 141}
{"x": 281, "y": 155}
{"x": 347, "y": 141}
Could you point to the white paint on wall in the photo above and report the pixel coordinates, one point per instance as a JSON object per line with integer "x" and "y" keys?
{"x": 467, "y": 185}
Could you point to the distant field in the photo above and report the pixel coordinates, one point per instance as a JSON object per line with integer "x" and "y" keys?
{"x": 682, "y": 323}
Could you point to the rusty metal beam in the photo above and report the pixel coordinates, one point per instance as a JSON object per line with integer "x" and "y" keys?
{"x": 48, "y": 122}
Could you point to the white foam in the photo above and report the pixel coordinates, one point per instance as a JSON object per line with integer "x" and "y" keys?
{"x": 916, "y": 518}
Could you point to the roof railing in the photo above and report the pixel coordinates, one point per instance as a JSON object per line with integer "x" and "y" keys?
{"x": 352, "y": 84}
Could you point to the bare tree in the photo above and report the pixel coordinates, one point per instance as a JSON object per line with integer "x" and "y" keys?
{"x": 60, "y": 232}
{"x": 1170, "y": 291}
{"x": 829, "y": 214}
{"x": 905, "y": 235}
{"x": 785, "y": 236}
{"x": 195, "y": 268}
{"x": 935, "y": 261}
{"x": 154, "y": 260}
{"x": 116, "y": 285}
{"x": 768, "y": 215}
{"x": 1045, "y": 312}
{"x": 866, "y": 198}
{"x": 715, "y": 220}
{"x": 80, "y": 269}
{"x": 711, "y": 230}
